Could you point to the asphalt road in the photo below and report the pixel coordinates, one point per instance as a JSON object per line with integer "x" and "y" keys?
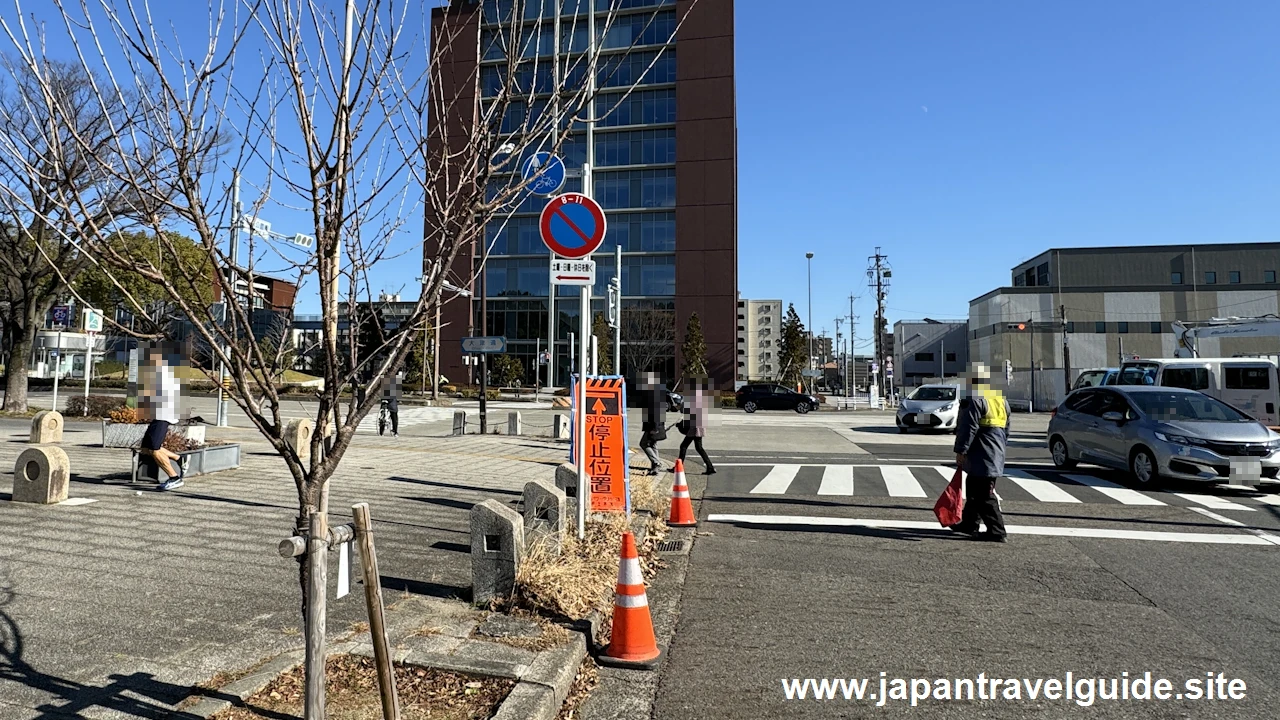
{"x": 818, "y": 557}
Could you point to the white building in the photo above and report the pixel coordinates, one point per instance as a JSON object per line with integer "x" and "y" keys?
{"x": 759, "y": 339}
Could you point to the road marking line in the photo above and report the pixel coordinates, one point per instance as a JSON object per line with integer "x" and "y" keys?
{"x": 1213, "y": 502}
{"x": 1268, "y": 499}
{"x": 900, "y": 482}
{"x": 1228, "y": 521}
{"x": 1125, "y": 495}
{"x": 1042, "y": 490}
{"x": 1099, "y": 533}
{"x": 836, "y": 480}
{"x": 946, "y": 472}
{"x": 777, "y": 481}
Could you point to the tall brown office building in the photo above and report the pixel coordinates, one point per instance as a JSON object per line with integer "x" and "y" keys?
{"x": 665, "y": 172}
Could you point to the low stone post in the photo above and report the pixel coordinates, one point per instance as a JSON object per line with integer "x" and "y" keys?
{"x": 513, "y": 423}
{"x": 297, "y": 435}
{"x": 561, "y": 426}
{"x": 46, "y": 427}
{"x": 41, "y": 475}
{"x": 459, "y": 422}
{"x": 544, "y": 513}
{"x": 497, "y": 547}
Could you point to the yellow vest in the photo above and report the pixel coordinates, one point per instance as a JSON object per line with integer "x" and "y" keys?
{"x": 995, "y": 415}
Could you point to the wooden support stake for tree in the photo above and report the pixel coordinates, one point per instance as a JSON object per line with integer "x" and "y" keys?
{"x": 377, "y": 620}
{"x": 317, "y": 580}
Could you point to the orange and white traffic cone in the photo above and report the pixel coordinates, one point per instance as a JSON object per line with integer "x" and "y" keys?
{"x": 681, "y": 506}
{"x": 633, "y": 644}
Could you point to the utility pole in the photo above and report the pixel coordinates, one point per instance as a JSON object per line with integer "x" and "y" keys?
{"x": 1066, "y": 352}
{"x": 837, "y": 351}
{"x": 878, "y": 274}
{"x": 851, "y": 370}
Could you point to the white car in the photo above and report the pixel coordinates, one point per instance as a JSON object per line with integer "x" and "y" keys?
{"x": 930, "y": 407}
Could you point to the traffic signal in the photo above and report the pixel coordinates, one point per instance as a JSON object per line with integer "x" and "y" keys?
{"x": 1016, "y": 326}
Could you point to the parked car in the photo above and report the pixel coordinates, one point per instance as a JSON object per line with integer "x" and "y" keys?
{"x": 1163, "y": 432}
{"x": 1096, "y": 377}
{"x": 930, "y": 406}
{"x": 773, "y": 397}
{"x": 1250, "y": 384}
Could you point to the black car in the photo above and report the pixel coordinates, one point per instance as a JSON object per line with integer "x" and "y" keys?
{"x": 774, "y": 397}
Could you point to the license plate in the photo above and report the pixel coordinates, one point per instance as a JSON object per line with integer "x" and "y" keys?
{"x": 922, "y": 419}
{"x": 1246, "y": 472}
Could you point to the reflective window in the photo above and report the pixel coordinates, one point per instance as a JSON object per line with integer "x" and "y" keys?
{"x": 640, "y": 232}
{"x": 1233, "y": 277}
{"x": 1210, "y": 277}
{"x": 1268, "y": 276}
{"x": 636, "y": 189}
{"x": 641, "y": 29}
{"x": 636, "y": 147}
{"x": 651, "y": 67}
{"x": 1175, "y": 278}
{"x": 646, "y": 107}
{"x": 517, "y": 277}
{"x": 1247, "y": 378}
{"x": 1122, "y": 327}
{"x": 1189, "y": 378}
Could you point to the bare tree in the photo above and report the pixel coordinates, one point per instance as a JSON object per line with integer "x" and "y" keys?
{"x": 648, "y": 336}
{"x": 54, "y": 134}
{"x": 343, "y": 121}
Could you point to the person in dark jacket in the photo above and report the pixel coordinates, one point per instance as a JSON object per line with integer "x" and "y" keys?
{"x": 653, "y": 425}
{"x": 694, "y": 425}
{"x": 391, "y": 396}
{"x": 981, "y": 436}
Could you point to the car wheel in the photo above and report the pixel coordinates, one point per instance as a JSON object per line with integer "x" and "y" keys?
{"x": 1142, "y": 464}
{"x": 802, "y": 408}
{"x": 749, "y": 406}
{"x": 1061, "y": 457}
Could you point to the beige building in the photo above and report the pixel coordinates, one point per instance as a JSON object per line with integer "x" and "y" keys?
{"x": 1082, "y": 308}
{"x": 759, "y": 339}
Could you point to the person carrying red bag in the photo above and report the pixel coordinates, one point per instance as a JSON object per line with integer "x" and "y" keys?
{"x": 982, "y": 435}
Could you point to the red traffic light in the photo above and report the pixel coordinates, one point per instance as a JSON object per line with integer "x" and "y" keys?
{"x": 1022, "y": 326}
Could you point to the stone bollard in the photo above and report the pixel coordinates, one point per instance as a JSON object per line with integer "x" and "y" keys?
{"x": 459, "y": 422}
{"x": 544, "y": 513}
{"x": 513, "y": 423}
{"x": 497, "y": 547}
{"x": 41, "y": 475}
{"x": 567, "y": 479}
{"x": 297, "y": 435}
{"x": 561, "y": 427}
{"x": 46, "y": 427}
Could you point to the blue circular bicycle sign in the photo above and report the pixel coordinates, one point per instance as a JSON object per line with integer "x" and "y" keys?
{"x": 545, "y": 173}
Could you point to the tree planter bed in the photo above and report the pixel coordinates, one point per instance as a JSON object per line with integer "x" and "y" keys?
{"x": 201, "y": 461}
{"x": 123, "y": 435}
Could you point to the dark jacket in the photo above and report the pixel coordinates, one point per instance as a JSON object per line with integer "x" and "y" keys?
{"x": 983, "y": 447}
{"x": 655, "y": 414}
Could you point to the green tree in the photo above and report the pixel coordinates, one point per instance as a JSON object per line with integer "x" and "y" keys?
{"x": 795, "y": 352}
{"x": 506, "y": 370}
{"x": 693, "y": 351}
{"x": 178, "y": 258}
{"x": 604, "y": 341}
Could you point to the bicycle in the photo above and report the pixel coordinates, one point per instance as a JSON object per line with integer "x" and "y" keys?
{"x": 384, "y": 416}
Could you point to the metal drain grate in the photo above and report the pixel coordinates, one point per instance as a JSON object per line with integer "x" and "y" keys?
{"x": 670, "y": 546}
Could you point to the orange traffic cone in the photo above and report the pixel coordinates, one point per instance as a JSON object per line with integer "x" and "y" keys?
{"x": 633, "y": 644}
{"x": 681, "y": 507}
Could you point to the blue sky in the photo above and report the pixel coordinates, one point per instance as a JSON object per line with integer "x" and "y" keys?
{"x": 963, "y": 138}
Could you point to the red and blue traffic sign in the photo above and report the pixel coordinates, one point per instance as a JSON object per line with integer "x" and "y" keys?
{"x": 573, "y": 225}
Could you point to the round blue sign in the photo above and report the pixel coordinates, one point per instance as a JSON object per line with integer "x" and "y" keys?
{"x": 573, "y": 225}
{"x": 545, "y": 173}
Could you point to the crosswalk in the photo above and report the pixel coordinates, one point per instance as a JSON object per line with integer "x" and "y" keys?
{"x": 928, "y": 481}
{"x": 409, "y": 416}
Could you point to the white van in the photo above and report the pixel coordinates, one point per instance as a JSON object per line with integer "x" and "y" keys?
{"x": 1250, "y": 384}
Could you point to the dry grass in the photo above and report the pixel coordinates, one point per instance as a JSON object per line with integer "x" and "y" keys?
{"x": 426, "y": 631}
{"x": 584, "y": 683}
{"x": 551, "y": 635}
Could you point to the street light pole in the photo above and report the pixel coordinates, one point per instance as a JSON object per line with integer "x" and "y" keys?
{"x": 809, "y": 258}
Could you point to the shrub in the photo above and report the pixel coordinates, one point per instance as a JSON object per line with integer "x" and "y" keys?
{"x": 472, "y": 394}
{"x": 449, "y": 388}
{"x": 99, "y": 405}
{"x": 174, "y": 442}
{"x": 124, "y": 414}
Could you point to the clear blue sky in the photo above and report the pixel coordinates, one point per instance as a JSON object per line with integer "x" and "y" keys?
{"x": 1047, "y": 125}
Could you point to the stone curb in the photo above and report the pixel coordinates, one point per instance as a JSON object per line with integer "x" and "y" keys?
{"x": 245, "y": 687}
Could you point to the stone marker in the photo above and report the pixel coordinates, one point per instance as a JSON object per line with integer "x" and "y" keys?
{"x": 46, "y": 427}
{"x": 513, "y": 423}
{"x": 41, "y": 475}
{"x": 567, "y": 479}
{"x": 459, "y": 422}
{"x": 544, "y": 513}
{"x": 297, "y": 435}
{"x": 497, "y": 546}
{"x": 561, "y": 426}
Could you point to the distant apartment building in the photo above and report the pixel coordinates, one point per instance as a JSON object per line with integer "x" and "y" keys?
{"x": 759, "y": 339}
{"x": 927, "y": 349}
{"x": 1072, "y": 309}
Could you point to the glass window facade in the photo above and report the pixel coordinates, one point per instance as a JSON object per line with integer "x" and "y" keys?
{"x": 636, "y": 147}
{"x": 643, "y": 107}
{"x": 636, "y": 189}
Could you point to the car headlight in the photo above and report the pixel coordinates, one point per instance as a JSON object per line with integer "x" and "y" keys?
{"x": 947, "y": 408}
{"x": 1179, "y": 439}
{"x": 1273, "y": 444}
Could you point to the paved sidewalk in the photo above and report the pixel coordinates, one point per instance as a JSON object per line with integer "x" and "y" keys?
{"x": 113, "y": 608}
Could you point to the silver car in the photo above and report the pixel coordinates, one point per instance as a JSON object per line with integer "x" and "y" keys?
{"x": 930, "y": 406}
{"x": 1163, "y": 432}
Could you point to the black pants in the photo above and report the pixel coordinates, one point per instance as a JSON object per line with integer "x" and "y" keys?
{"x": 980, "y": 503}
{"x": 649, "y": 444}
{"x": 395, "y": 421}
{"x": 697, "y": 445}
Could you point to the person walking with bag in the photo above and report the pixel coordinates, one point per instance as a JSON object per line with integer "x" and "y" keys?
{"x": 982, "y": 435}
{"x": 653, "y": 425}
{"x": 694, "y": 426}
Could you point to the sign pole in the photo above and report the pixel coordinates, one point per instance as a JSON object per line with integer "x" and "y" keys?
{"x": 584, "y": 488}
{"x": 57, "y": 367}
{"x": 88, "y": 369}
{"x": 617, "y": 317}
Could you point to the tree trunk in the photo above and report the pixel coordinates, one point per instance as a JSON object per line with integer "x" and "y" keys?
{"x": 15, "y": 396}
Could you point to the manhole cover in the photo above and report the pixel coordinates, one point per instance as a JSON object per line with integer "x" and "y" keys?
{"x": 670, "y": 546}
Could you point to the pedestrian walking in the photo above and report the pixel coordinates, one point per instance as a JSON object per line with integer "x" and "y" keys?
{"x": 653, "y": 426}
{"x": 982, "y": 435}
{"x": 158, "y": 404}
{"x": 391, "y": 398}
{"x": 697, "y": 413}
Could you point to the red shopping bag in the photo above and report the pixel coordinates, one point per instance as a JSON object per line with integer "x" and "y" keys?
{"x": 950, "y": 503}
